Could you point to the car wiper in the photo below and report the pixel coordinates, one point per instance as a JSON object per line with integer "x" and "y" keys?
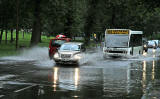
{"x": 76, "y": 50}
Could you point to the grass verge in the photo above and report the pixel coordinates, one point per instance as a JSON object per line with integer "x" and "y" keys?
{"x": 7, "y": 49}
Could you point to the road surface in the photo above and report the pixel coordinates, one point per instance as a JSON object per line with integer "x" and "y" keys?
{"x": 32, "y": 75}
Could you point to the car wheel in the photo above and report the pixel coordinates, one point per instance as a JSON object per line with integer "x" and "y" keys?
{"x": 146, "y": 50}
{"x": 50, "y": 56}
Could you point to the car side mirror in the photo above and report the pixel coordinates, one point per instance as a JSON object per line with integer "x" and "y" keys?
{"x": 58, "y": 48}
{"x": 56, "y": 45}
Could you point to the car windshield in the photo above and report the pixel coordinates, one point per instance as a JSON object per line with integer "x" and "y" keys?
{"x": 59, "y": 42}
{"x": 151, "y": 42}
{"x": 157, "y": 41}
{"x": 70, "y": 47}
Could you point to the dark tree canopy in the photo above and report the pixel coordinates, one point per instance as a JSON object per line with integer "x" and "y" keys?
{"x": 79, "y": 17}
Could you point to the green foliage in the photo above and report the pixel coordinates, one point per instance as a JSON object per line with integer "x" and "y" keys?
{"x": 74, "y": 17}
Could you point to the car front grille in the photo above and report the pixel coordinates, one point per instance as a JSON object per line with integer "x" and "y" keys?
{"x": 65, "y": 55}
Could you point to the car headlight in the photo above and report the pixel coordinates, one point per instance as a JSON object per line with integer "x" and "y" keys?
{"x": 145, "y": 45}
{"x": 77, "y": 56}
{"x": 56, "y": 55}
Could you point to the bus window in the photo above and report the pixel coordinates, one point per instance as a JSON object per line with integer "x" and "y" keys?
{"x": 135, "y": 40}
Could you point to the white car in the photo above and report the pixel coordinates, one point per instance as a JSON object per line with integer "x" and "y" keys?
{"x": 69, "y": 53}
{"x": 157, "y": 42}
{"x": 152, "y": 44}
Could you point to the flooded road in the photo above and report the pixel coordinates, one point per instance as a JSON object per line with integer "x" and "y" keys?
{"x": 33, "y": 75}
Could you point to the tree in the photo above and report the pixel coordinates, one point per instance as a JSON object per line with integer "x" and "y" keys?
{"x": 3, "y": 17}
{"x": 75, "y": 17}
{"x": 90, "y": 19}
{"x": 36, "y": 24}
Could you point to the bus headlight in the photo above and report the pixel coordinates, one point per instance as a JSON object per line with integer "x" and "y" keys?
{"x": 77, "y": 57}
{"x": 56, "y": 55}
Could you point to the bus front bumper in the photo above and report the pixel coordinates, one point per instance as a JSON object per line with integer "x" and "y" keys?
{"x": 115, "y": 55}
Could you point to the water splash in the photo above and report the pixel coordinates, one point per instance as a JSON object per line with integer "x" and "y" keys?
{"x": 92, "y": 58}
{"x": 97, "y": 60}
{"x": 39, "y": 56}
{"x": 152, "y": 54}
{"x": 4, "y": 77}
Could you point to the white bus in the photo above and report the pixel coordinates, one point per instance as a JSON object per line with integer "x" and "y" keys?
{"x": 122, "y": 42}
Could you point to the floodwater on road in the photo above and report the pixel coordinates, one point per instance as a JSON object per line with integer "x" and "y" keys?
{"x": 33, "y": 75}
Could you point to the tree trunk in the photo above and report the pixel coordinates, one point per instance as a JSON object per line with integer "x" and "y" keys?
{"x": 87, "y": 38}
{"x": 40, "y": 40}
{"x": 113, "y": 18}
{"x": 68, "y": 26}
{"x": 1, "y": 35}
{"x": 98, "y": 37}
{"x": 69, "y": 19}
{"x": 17, "y": 24}
{"x": 11, "y": 35}
{"x": 36, "y": 29}
{"x": 23, "y": 34}
{"x": 6, "y": 36}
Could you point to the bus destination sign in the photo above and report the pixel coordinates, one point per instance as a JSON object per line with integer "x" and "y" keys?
{"x": 118, "y": 31}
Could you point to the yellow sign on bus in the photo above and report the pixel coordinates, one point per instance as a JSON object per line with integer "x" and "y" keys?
{"x": 118, "y": 31}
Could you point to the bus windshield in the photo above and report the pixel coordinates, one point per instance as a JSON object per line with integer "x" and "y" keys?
{"x": 118, "y": 40}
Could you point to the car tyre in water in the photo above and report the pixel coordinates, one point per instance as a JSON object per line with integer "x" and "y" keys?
{"x": 146, "y": 50}
{"x": 51, "y": 56}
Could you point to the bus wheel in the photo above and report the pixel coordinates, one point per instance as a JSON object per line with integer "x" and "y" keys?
{"x": 131, "y": 53}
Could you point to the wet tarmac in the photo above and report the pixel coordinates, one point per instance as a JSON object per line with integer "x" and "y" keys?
{"x": 32, "y": 75}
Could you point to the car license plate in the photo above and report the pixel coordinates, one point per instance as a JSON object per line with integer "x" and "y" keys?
{"x": 65, "y": 59}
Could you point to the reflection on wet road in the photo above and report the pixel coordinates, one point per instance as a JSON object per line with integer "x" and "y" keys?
{"x": 65, "y": 78}
{"x": 136, "y": 77}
